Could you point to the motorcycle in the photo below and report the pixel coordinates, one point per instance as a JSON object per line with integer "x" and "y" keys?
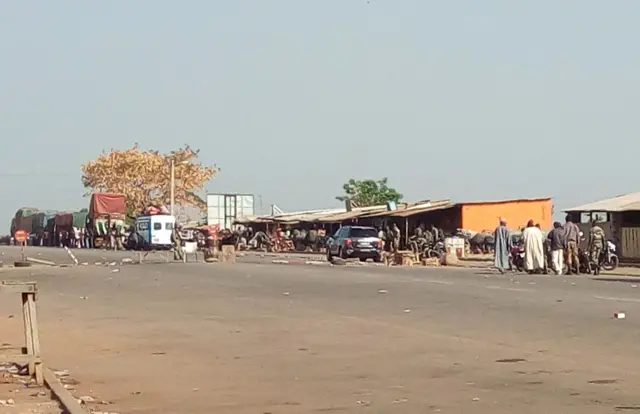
{"x": 517, "y": 257}
{"x": 438, "y": 250}
{"x": 608, "y": 258}
{"x": 586, "y": 264}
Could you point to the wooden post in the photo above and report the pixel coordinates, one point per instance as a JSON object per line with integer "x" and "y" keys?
{"x": 406, "y": 233}
{"x": 31, "y": 334}
{"x": 28, "y": 292}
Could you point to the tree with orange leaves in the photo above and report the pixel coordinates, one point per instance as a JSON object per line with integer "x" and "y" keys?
{"x": 144, "y": 176}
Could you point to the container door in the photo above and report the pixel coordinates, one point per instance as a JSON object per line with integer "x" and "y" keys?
{"x": 230, "y": 210}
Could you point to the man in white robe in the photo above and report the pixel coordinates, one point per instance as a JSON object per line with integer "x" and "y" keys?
{"x": 533, "y": 248}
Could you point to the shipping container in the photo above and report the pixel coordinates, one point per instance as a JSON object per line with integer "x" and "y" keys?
{"x": 223, "y": 209}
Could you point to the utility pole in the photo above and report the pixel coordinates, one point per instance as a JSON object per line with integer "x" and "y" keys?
{"x": 173, "y": 184}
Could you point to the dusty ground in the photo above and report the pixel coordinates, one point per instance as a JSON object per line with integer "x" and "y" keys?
{"x": 263, "y": 338}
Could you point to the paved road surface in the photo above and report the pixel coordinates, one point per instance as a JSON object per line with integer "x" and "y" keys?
{"x": 263, "y": 338}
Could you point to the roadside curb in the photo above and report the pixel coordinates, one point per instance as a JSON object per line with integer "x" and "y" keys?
{"x": 64, "y": 397}
{"x": 300, "y": 262}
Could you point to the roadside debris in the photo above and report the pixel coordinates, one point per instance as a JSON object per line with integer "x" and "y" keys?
{"x": 407, "y": 311}
{"x": 286, "y": 293}
{"x": 115, "y": 270}
{"x": 61, "y": 374}
{"x": 382, "y": 291}
{"x": 619, "y": 315}
{"x": 41, "y": 261}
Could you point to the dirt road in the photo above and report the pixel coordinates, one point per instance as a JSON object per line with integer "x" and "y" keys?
{"x": 262, "y": 338}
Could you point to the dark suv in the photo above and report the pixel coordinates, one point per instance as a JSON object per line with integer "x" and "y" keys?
{"x": 355, "y": 241}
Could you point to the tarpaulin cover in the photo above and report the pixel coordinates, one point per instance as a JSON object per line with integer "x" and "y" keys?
{"x": 80, "y": 219}
{"x": 24, "y": 223}
{"x": 26, "y": 211}
{"x": 106, "y": 204}
{"x": 39, "y": 220}
{"x": 64, "y": 219}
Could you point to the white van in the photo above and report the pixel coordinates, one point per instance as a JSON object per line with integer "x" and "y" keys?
{"x": 156, "y": 230}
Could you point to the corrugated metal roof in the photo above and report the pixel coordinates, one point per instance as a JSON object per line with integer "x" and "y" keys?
{"x": 349, "y": 215}
{"x": 305, "y": 216}
{"x": 419, "y": 209}
{"x": 407, "y": 210}
{"x": 251, "y": 219}
{"x": 625, "y": 202}
{"x": 513, "y": 200}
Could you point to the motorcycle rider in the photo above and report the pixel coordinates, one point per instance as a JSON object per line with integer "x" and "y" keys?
{"x": 597, "y": 239}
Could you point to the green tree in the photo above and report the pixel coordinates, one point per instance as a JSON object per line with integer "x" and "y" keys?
{"x": 365, "y": 193}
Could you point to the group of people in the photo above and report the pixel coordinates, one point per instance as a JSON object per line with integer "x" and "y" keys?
{"x": 561, "y": 242}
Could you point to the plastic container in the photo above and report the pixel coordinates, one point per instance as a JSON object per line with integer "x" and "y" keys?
{"x": 454, "y": 245}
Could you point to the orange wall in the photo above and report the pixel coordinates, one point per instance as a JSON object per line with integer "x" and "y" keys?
{"x": 484, "y": 216}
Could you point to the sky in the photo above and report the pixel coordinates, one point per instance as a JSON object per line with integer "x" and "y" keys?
{"x": 460, "y": 99}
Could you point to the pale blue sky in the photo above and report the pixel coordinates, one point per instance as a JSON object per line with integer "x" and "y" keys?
{"x": 450, "y": 99}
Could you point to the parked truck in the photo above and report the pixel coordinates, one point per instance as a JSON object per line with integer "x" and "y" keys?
{"x": 106, "y": 210}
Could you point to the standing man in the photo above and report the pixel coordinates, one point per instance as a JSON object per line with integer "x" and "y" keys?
{"x": 396, "y": 237}
{"x": 533, "y": 248}
{"x": 502, "y": 238}
{"x": 572, "y": 232}
{"x": 596, "y": 243}
{"x": 176, "y": 241}
{"x": 557, "y": 244}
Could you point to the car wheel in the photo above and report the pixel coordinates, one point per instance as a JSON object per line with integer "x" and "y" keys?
{"x": 343, "y": 255}
{"x": 363, "y": 259}
{"x": 329, "y": 256}
{"x": 377, "y": 259}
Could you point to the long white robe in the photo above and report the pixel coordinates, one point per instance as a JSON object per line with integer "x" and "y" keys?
{"x": 533, "y": 248}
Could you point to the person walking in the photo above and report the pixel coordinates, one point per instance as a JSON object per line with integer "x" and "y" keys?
{"x": 557, "y": 244}
{"x": 572, "y": 231}
{"x": 502, "y": 238}
{"x": 597, "y": 239}
{"x": 533, "y": 248}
